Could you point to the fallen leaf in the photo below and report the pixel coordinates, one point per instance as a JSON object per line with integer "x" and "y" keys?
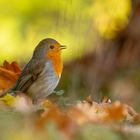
{"x": 9, "y": 74}
{"x": 103, "y": 112}
{"x": 14, "y": 67}
{"x": 115, "y": 112}
{"x": 8, "y": 100}
{"x": 55, "y": 114}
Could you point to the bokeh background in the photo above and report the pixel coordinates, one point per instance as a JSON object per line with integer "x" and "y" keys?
{"x": 102, "y": 39}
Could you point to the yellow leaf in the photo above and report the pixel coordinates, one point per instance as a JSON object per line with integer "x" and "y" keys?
{"x": 8, "y": 100}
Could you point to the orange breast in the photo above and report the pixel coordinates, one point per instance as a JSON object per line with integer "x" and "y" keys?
{"x": 57, "y": 62}
{"x": 58, "y": 66}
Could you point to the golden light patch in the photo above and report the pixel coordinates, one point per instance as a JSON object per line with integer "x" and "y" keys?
{"x": 110, "y": 16}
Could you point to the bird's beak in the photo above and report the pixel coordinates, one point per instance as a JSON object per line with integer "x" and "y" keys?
{"x": 63, "y": 47}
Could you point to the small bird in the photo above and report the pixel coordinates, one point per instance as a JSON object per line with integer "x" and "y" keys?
{"x": 41, "y": 75}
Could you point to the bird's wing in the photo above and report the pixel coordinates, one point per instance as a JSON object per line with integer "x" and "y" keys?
{"x": 29, "y": 75}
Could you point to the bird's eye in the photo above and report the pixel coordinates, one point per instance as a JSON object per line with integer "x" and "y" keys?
{"x": 51, "y": 47}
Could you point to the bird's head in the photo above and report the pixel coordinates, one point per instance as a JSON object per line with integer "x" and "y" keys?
{"x": 48, "y": 48}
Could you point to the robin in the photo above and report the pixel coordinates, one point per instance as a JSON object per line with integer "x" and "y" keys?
{"x": 41, "y": 75}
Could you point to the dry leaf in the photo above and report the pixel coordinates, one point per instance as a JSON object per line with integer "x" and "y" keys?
{"x": 55, "y": 114}
{"x": 101, "y": 112}
{"x": 9, "y": 73}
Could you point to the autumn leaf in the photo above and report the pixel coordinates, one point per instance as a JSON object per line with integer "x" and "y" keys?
{"x": 8, "y": 100}
{"x": 55, "y": 114}
{"x": 9, "y": 73}
{"x": 14, "y": 67}
{"x": 102, "y": 112}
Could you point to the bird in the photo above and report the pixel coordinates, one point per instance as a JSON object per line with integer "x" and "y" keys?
{"x": 42, "y": 73}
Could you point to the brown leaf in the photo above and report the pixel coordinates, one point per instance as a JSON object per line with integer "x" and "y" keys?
{"x": 14, "y": 67}
{"x": 9, "y": 73}
{"x": 78, "y": 115}
{"x": 101, "y": 112}
{"x": 115, "y": 112}
{"x": 62, "y": 120}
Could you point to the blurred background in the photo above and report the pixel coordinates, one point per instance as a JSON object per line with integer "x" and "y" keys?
{"x": 102, "y": 39}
